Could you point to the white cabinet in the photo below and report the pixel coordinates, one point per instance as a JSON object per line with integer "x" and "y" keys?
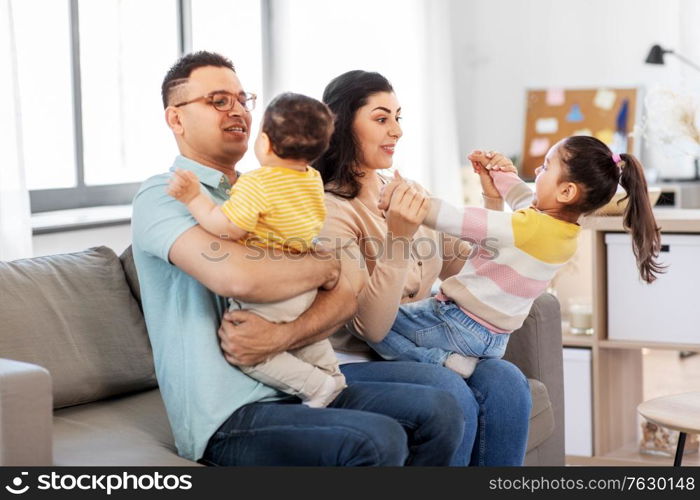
{"x": 666, "y": 311}
{"x": 578, "y": 429}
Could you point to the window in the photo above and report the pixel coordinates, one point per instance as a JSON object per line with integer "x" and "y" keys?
{"x": 46, "y": 93}
{"x": 126, "y": 47}
{"x": 234, "y": 29}
{"x": 92, "y": 123}
{"x": 89, "y": 74}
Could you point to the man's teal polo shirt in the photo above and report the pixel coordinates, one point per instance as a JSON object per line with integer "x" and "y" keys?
{"x": 200, "y": 389}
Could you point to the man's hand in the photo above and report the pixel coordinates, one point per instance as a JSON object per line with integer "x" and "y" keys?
{"x": 328, "y": 254}
{"x": 247, "y": 339}
{"x": 184, "y": 186}
{"x": 332, "y": 282}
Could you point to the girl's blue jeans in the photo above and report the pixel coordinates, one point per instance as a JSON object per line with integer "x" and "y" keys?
{"x": 429, "y": 331}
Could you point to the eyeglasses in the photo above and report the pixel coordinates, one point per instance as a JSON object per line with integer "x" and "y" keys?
{"x": 224, "y": 101}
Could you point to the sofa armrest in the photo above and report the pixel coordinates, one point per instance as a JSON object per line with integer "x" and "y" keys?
{"x": 536, "y": 348}
{"x": 26, "y": 414}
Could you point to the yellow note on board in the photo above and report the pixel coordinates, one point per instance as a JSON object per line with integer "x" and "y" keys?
{"x": 605, "y": 135}
{"x": 605, "y": 99}
{"x": 583, "y": 131}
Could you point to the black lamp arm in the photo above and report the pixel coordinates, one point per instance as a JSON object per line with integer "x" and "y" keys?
{"x": 685, "y": 60}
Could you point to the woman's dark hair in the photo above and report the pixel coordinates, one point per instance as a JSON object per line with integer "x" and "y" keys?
{"x": 299, "y": 127}
{"x": 589, "y": 163}
{"x": 183, "y": 68}
{"x": 344, "y": 95}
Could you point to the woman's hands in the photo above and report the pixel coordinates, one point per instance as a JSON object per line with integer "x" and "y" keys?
{"x": 484, "y": 163}
{"x": 405, "y": 207}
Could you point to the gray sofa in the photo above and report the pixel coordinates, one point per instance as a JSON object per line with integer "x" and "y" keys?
{"x": 77, "y": 382}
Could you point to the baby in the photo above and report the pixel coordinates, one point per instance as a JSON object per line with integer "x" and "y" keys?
{"x": 279, "y": 205}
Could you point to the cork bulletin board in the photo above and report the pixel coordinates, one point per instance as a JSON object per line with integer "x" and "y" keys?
{"x": 553, "y": 114}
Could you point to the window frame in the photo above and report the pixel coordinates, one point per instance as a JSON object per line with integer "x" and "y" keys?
{"x": 82, "y": 195}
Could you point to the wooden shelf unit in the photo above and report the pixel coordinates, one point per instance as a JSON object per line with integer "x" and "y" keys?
{"x": 577, "y": 341}
{"x": 616, "y": 371}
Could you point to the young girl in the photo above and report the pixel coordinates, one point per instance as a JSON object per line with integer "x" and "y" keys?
{"x": 280, "y": 205}
{"x": 519, "y": 252}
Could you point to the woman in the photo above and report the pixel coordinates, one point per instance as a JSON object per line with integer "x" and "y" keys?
{"x": 390, "y": 259}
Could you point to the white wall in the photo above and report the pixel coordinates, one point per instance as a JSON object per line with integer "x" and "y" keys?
{"x": 503, "y": 47}
{"x": 500, "y": 48}
{"x": 115, "y": 237}
{"x": 315, "y": 40}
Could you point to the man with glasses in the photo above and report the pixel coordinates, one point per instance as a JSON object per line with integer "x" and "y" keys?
{"x": 219, "y": 415}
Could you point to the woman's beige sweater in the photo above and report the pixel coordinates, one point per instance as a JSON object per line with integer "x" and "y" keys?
{"x": 385, "y": 276}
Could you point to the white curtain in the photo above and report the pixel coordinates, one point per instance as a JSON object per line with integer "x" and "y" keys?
{"x": 408, "y": 41}
{"x": 442, "y": 153}
{"x": 15, "y": 226}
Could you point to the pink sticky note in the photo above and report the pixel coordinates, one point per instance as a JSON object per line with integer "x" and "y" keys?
{"x": 555, "y": 97}
{"x": 539, "y": 146}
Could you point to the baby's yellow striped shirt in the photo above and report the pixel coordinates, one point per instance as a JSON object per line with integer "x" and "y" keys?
{"x": 279, "y": 206}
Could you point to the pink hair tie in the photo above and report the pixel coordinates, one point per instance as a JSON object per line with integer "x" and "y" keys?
{"x": 616, "y": 158}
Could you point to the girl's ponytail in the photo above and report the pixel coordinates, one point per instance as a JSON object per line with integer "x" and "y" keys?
{"x": 639, "y": 218}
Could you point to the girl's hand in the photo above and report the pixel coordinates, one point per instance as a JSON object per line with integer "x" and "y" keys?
{"x": 492, "y": 161}
{"x": 488, "y": 188}
{"x": 184, "y": 186}
{"x": 485, "y": 163}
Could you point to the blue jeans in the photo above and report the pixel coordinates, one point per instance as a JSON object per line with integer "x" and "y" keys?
{"x": 370, "y": 423}
{"x": 493, "y": 412}
{"x": 495, "y": 404}
{"x": 429, "y": 331}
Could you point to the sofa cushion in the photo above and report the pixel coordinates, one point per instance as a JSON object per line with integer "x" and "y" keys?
{"x": 132, "y": 277}
{"x": 536, "y": 348}
{"x": 131, "y": 430}
{"x": 541, "y": 415}
{"x": 74, "y": 314}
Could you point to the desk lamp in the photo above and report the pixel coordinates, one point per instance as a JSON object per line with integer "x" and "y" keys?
{"x": 656, "y": 56}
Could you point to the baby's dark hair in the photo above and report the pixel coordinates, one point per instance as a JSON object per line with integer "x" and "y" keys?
{"x": 299, "y": 127}
{"x": 589, "y": 164}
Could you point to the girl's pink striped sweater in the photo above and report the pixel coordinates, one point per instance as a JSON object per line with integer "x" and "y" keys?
{"x": 518, "y": 254}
